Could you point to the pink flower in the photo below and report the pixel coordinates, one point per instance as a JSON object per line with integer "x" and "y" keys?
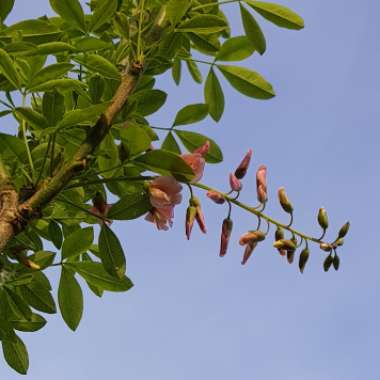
{"x": 241, "y": 170}
{"x": 216, "y": 196}
{"x": 235, "y": 183}
{"x": 165, "y": 193}
{"x": 225, "y": 236}
{"x": 261, "y": 184}
{"x": 163, "y": 217}
{"x": 196, "y": 160}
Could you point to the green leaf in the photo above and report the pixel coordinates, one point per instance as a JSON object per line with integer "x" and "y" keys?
{"x": 235, "y": 49}
{"x": 203, "y": 24}
{"x": 43, "y": 258}
{"x": 95, "y": 274}
{"x": 149, "y": 101}
{"x": 14, "y": 145}
{"x": 98, "y": 64}
{"x": 176, "y": 10}
{"x": 33, "y": 118}
{"x": 54, "y": 71}
{"x": 55, "y": 234}
{"x": 214, "y": 96}
{"x": 193, "y": 141}
{"x": 108, "y": 157}
{"x": 5, "y": 9}
{"x": 170, "y": 144}
{"x": 53, "y": 107}
{"x": 37, "y": 322}
{"x": 111, "y": 252}
{"x": 193, "y": 113}
{"x": 247, "y": 82}
{"x": 103, "y": 13}
{"x": 91, "y": 43}
{"x": 166, "y": 163}
{"x": 8, "y": 69}
{"x": 87, "y": 115}
{"x": 194, "y": 71}
{"x": 70, "y": 299}
{"x": 135, "y": 140}
{"x": 18, "y": 307}
{"x": 253, "y": 31}
{"x": 60, "y": 85}
{"x": 71, "y": 11}
{"x": 277, "y": 14}
{"x": 38, "y": 297}
{"x": 130, "y": 206}
{"x": 16, "y": 355}
{"x": 78, "y": 242}
{"x": 176, "y": 70}
{"x": 50, "y": 48}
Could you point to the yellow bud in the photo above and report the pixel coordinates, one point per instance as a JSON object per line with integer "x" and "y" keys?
{"x": 284, "y": 201}
{"x": 323, "y": 220}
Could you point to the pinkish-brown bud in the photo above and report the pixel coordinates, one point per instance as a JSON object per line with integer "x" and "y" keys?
{"x": 261, "y": 184}
{"x": 225, "y": 236}
{"x": 199, "y": 217}
{"x": 241, "y": 170}
{"x": 248, "y": 251}
{"x": 235, "y": 183}
{"x": 216, "y": 196}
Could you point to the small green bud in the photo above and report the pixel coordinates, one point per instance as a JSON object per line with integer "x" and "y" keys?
{"x": 344, "y": 230}
{"x": 327, "y": 263}
{"x": 336, "y": 262}
{"x": 285, "y": 244}
{"x": 290, "y": 256}
{"x": 304, "y": 257}
{"x": 323, "y": 219}
{"x": 325, "y": 247}
{"x": 339, "y": 243}
{"x": 284, "y": 201}
{"x": 279, "y": 234}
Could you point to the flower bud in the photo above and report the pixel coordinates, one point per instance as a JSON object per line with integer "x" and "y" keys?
{"x": 261, "y": 184}
{"x": 339, "y": 243}
{"x": 285, "y": 244}
{"x": 279, "y": 235}
{"x": 327, "y": 263}
{"x": 325, "y": 247}
{"x": 235, "y": 184}
{"x": 284, "y": 201}
{"x": 290, "y": 256}
{"x": 304, "y": 257}
{"x": 199, "y": 217}
{"x": 344, "y": 230}
{"x": 241, "y": 170}
{"x": 190, "y": 217}
{"x": 323, "y": 219}
{"x": 248, "y": 252}
{"x": 225, "y": 236}
{"x": 255, "y": 236}
{"x": 216, "y": 196}
{"x": 99, "y": 203}
{"x": 336, "y": 262}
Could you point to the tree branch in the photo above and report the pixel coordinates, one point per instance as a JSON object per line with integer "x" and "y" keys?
{"x": 13, "y": 218}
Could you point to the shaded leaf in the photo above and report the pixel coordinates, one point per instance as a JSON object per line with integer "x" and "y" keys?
{"x": 170, "y": 144}
{"x": 78, "y": 242}
{"x": 103, "y": 13}
{"x": 8, "y": 69}
{"x": 98, "y": 64}
{"x": 16, "y": 355}
{"x": 131, "y": 206}
{"x": 70, "y": 299}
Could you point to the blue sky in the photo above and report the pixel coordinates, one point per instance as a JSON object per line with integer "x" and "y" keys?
{"x": 192, "y": 315}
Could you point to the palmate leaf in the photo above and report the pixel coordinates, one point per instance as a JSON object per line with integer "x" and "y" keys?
{"x": 78, "y": 242}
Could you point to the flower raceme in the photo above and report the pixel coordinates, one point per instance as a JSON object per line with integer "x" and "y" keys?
{"x": 164, "y": 195}
{"x": 196, "y": 160}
